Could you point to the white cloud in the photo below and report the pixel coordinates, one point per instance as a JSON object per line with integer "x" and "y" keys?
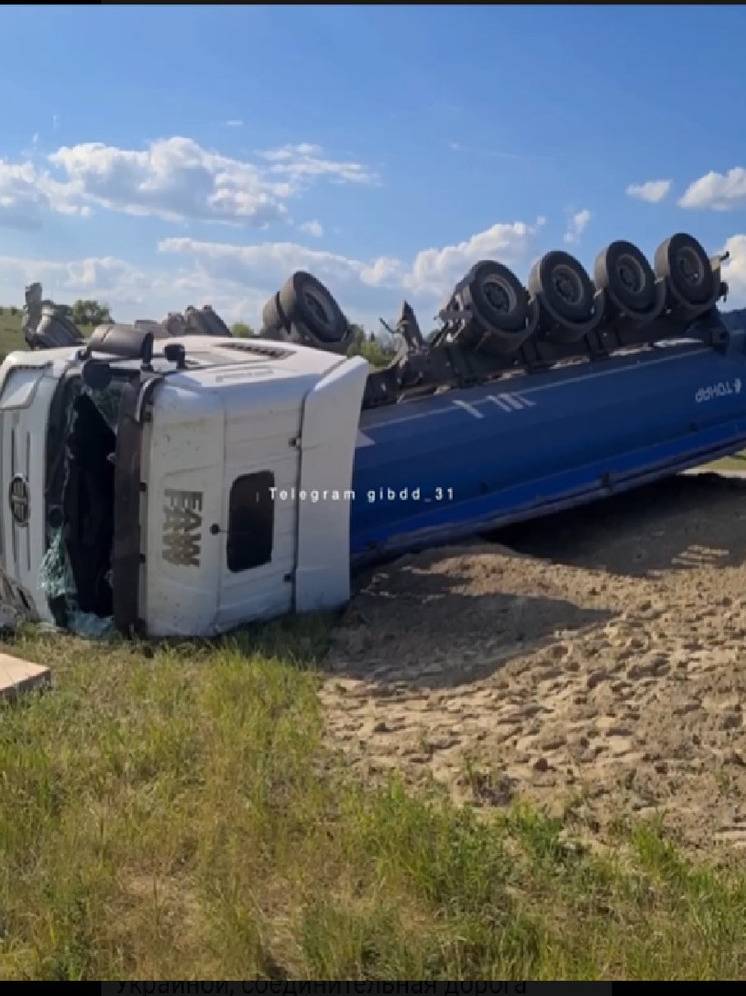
{"x": 233, "y": 123}
{"x": 430, "y": 275}
{"x": 21, "y": 202}
{"x": 232, "y": 273}
{"x": 576, "y": 226}
{"x": 104, "y": 277}
{"x": 386, "y": 271}
{"x": 286, "y": 153}
{"x": 305, "y": 161}
{"x": 435, "y": 271}
{"x": 27, "y": 194}
{"x": 651, "y": 191}
{"x": 268, "y": 263}
{"x": 717, "y": 191}
{"x": 313, "y": 227}
{"x": 172, "y": 178}
{"x": 130, "y": 291}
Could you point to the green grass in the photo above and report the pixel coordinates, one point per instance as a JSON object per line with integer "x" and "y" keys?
{"x": 373, "y": 352}
{"x": 171, "y": 811}
{"x": 11, "y": 336}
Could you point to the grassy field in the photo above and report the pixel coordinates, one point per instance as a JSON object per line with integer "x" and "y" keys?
{"x": 11, "y": 336}
{"x": 170, "y": 812}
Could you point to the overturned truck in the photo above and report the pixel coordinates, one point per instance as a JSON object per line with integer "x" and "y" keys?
{"x": 164, "y": 483}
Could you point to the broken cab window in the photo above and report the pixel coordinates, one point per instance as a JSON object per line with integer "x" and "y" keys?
{"x": 250, "y": 521}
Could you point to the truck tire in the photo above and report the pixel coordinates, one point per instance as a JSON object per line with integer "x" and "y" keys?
{"x": 562, "y": 282}
{"x": 54, "y": 330}
{"x": 623, "y": 270}
{"x": 683, "y": 261}
{"x": 214, "y": 322}
{"x": 272, "y": 318}
{"x": 174, "y": 323}
{"x": 305, "y": 299}
{"x": 498, "y": 298}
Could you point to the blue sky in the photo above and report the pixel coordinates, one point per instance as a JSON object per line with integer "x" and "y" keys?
{"x": 160, "y": 156}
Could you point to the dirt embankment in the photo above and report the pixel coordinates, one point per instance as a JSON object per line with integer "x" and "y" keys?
{"x": 595, "y": 659}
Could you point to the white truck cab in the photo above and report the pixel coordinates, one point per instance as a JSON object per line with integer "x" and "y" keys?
{"x": 173, "y": 485}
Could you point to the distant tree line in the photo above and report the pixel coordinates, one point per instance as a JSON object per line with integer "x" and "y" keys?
{"x": 87, "y": 312}
{"x": 377, "y": 350}
{"x": 82, "y": 312}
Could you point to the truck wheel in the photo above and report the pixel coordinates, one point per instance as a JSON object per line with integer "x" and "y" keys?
{"x": 304, "y": 298}
{"x": 623, "y": 270}
{"x": 684, "y": 262}
{"x": 272, "y": 317}
{"x": 214, "y": 322}
{"x": 562, "y": 282}
{"x": 498, "y": 298}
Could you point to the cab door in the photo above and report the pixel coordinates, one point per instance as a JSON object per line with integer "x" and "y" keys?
{"x": 260, "y": 485}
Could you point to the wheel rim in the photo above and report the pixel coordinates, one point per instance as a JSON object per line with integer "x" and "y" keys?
{"x": 567, "y": 284}
{"x": 689, "y": 266}
{"x": 316, "y": 307}
{"x": 631, "y": 274}
{"x": 499, "y": 294}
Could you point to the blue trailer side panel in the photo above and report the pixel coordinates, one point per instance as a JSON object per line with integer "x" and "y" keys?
{"x": 449, "y": 464}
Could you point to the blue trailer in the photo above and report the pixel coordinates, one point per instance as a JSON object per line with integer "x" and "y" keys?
{"x": 469, "y": 460}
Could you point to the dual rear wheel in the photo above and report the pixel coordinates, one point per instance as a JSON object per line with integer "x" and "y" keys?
{"x": 568, "y": 299}
{"x": 680, "y": 260}
{"x": 304, "y": 302}
{"x": 500, "y": 307}
{"x": 495, "y": 296}
{"x": 623, "y": 271}
{"x": 562, "y": 284}
{"x": 684, "y": 262}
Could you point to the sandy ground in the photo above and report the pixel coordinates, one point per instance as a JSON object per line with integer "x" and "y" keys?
{"x": 593, "y": 662}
